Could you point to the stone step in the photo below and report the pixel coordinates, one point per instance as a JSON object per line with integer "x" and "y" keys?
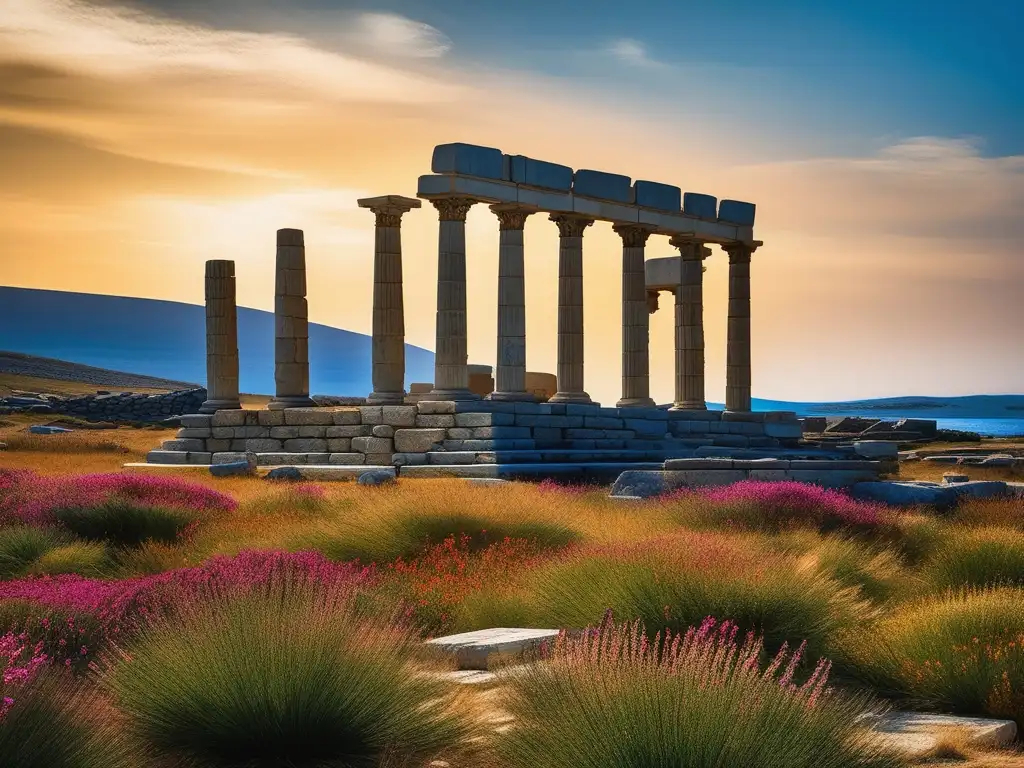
{"x": 569, "y": 472}
{"x": 916, "y": 733}
{"x": 558, "y": 456}
{"x": 485, "y": 648}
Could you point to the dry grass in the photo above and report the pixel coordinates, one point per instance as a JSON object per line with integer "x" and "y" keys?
{"x": 9, "y": 382}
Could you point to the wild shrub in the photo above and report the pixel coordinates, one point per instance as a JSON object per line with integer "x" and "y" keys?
{"x": 22, "y": 545}
{"x": 127, "y": 523}
{"x": 290, "y": 677}
{"x": 615, "y": 697}
{"x": 876, "y": 572}
{"x": 81, "y": 557}
{"x": 976, "y": 558}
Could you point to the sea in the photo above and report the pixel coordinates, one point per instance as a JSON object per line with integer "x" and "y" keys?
{"x": 986, "y": 427}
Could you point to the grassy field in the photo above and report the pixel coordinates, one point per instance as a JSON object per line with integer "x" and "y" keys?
{"x": 184, "y": 620}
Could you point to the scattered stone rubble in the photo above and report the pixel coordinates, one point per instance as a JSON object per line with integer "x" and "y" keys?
{"x": 110, "y": 407}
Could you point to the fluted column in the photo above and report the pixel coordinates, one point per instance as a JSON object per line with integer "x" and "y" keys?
{"x": 737, "y": 372}
{"x": 510, "y": 372}
{"x": 451, "y": 375}
{"x": 291, "y": 323}
{"x": 636, "y": 367}
{"x": 689, "y": 394}
{"x": 388, "y": 346}
{"x": 570, "y": 309}
{"x": 221, "y": 338}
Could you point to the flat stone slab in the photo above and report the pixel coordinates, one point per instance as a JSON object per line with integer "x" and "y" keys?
{"x": 915, "y": 733}
{"x": 478, "y": 650}
{"x": 328, "y": 472}
{"x": 144, "y": 465}
{"x": 597, "y": 469}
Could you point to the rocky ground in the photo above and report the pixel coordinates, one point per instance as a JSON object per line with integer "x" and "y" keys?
{"x": 17, "y": 364}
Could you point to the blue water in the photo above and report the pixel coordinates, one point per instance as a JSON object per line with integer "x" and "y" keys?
{"x": 988, "y": 427}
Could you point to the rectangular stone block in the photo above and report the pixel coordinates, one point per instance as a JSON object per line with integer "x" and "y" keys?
{"x": 755, "y": 417}
{"x": 528, "y": 409}
{"x": 167, "y": 457}
{"x": 383, "y": 430}
{"x": 832, "y": 478}
{"x": 783, "y": 416}
{"x": 343, "y": 457}
{"x": 349, "y": 430}
{"x": 662, "y": 197}
{"x": 460, "y": 433}
{"x": 551, "y": 434}
{"x": 556, "y": 422}
{"x": 488, "y": 445}
{"x": 619, "y": 434}
{"x": 468, "y": 160}
{"x": 237, "y": 445}
{"x": 828, "y": 464}
{"x": 399, "y": 415}
{"x": 306, "y": 445}
{"x": 647, "y": 427}
{"x": 675, "y": 464}
{"x": 583, "y": 434}
{"x": 762, "y": 463}
{"x": 694, "y": 415}
{"x": 435, "y": 420}
{"x": 418, "y": 440}
{"x": 783, "y": 430}
{"x": 603, "y": 186}
{"x": 318, "y": 458}
{"x": 214, "y": 445}
{"x": 732, "y": 441}
{"x": 229, "y": 457}
{"x": 279, "y": 459}
{"x": 582, "y": 409}
{"x": 270, "y": 418}
{"x": 196, "y": 420}
{"x": 379, "y": 459}
{"x": 737, "y": 212}
{"x": 452, "y": 457}
{"x": 195, "y": 432}
{"x": 744, "y": 428}
{"x": 252, "y": 431}
{"x": 228, "y": 419}
{"x": 703, "y": 477}
{"x": 263, "y": 445}
{"x": 339, "y": 444}
{"x": 302, "y": 417}
{"x": 538, "y": 173}
{"x": 312, "y": 432}
{"x": 346, "y": 418}
{"x": 186, "y": 444}
{"x": 763, "y": 442}
{"x": 374, "y": 444}
{"x": 484, "y": 419}
{"x": 285, "y": 433}
{"x": 597, "y": 422}
{"x": 439, "y": 406}
{"x": 371, "y": 414}
{"x": 224, "y": 433}
{"x": 545, "y": 200}
{"x": 408, "y": 459}
{"x": 482, "y": 406}
{"x": 703, "y": 206}
{"x": 769, "y": 475}
{"x": 498, "y": 433}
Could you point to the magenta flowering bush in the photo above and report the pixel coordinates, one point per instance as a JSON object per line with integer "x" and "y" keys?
{"x": 28, "y": 498}
{"x": 21, "y": 660}
{"x": 778, "y": 505}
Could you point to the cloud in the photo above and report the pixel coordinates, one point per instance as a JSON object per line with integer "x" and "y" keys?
{"x": 634, "y": 53}
{"x": 391, "y": 33}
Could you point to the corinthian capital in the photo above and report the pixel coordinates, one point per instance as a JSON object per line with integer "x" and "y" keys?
{"x": 739, "y": 253}
{"x": 510, "y": 216}
{"x": 690, "y": 249}
{"x": 453, "y": 208}
{"x": 632, "y": 235}
{"x": 570, "y": 226}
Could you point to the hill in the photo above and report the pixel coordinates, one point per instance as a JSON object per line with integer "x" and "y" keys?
{"x": 166, "y": 340}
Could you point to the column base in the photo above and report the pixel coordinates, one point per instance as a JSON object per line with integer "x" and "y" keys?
{"x": 570, "y": 397}
{"x": 212, "y": 406}
{"x": 386, "y": 398}
{"x": 690, "y": 405}
{"x": 636, "y": 402}
{"x": 290, "y": 401}
{"x": 450, "y": 394}
{"x": 524, "y": 397}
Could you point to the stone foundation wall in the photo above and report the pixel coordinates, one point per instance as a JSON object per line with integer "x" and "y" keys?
{"x": 125, "y": 406}
{"x": 466, "y": 433}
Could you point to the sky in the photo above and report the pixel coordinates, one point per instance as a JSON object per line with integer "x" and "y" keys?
{"x": 883, "y": 144}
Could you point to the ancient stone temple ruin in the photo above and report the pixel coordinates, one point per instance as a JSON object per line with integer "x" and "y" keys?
{"x": 451, "y": 430}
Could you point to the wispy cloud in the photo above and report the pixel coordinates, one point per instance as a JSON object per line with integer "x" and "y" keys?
{"x": 634, "y": 53}
{"x": 394, "y": 34}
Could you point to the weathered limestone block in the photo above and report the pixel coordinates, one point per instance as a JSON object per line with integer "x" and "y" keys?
{"x": 662, "y": 197}
{"x": 595, "y": 422}
{"x": 372, "y": 414}
{"x": 344, "y": 457}
{"x": 468, "y": 160}
{"x": 277, "y": 459}
{"x": 408, "y": 459}
{"x": 833, "y": 478}
{"x": 497, "y": 433}
{"x": 539, "y": 173}
{"x": 196, "y": 420}
{"x": 383, "y": 430}
{"x": 318, "y": 458}
{"x": 604, "y": 186}
{"x": 435, "y": 420}
{"x": 195, "y": 432}
{"x": 745, "y": 428}
{"x": 283, "y": 433}
{"x": 230, "y": 457}
{"x": 680, "y": 464}
{"x": 646, "y": 427}
{"x": 703, "y": 477}
{"x": 769, "y": 475}
{"x": 399, "y": 415}
{"x": 349, "y": 430}
{"x": 417, "y": 440}
{"x": 442, "y": 406}
{"x": 783, "y": 430}
{"x": 339, "y": 444}
{"x": 737, "y": 212}
{"x": 550, "y": 434}
{"x": 270, "y": 418}
{"x": 313, "y": 432}
{"x": 228, "y": 419}
{"x": 263, "y": 445}
{"x": 452, "y": 457}
{"x": 704, "y": 206}
{"x": 303, "y": 417}
{"x": 167, "y": 457}
{"x": 459, "y": 433}
{"x": 346, "y": 418}
{"x": 484, "y": 419}
{"x": 379, "y": 459}
{"x": 373, "y": 444}
{"x": 187, "y": 444}
{"x": 306, "y": 445}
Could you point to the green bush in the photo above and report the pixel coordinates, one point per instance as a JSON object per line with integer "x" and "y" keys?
{"x": 877, "y": 573}
{"x": 81, "y": 557}
{"x": 126, "y": 523}
{"x": 57, "y": 721}
{"x": 977, "y": 558}
{"x": 289, "y": 678}
{"x": 613, "y": 699}
{"x": 21, "y": 546}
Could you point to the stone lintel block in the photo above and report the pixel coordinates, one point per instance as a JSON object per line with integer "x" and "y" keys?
{"x": 469, "y": 160}
{"x": 399, "y": 415}
{"x": 167, "y": 457}
{"x": 762, "y": 463}
{"x": 700, "y": 205}
{"x": 674, "y": 464}
{"x": 484, "y": 190}
{"x": 737, "y": 212}
{"x": 485, "y": 419}
{"x": 303, "y": 417}
{"x": 270, "y": 418}
{"x": 408, "y": 459}
{"x": 498, "y": 433}
{"x": 371, "y": 414}
{"x": 184, "y": 445}
{"x": 662, "y": 197}
{"x": 234, "y": 418}
{"x": 539, "y": 173}
{"x": 306, "y": 445}
{"x": 263, "y": 445}
{"x": 545, "y": 200}
{"x": 418, "y": 440}
{"x": 229, "y": 457}
{"x": 373, "y": 444}
{"x": 602, "y": 186}
{"x": 756, "y": 417}
{"x": 346, "y": 418}
{"x": 279, "y": 459}
{"x": 349, "y": 430}
{"x": 703, "y": 477}
{"x": 195, "y": 432}
{"x": 430, "y": 407}
{"x": 600, "y": 209}
{"x": 346, "y": 458}
{"x": 196, "y": 420}
{"x": 285, "y": 433}
{"x": 435, "y": 420}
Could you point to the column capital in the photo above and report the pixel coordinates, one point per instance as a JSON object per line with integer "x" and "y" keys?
{"x": 510, "y": 215}
{"x": 570, "y": 226}
{"x": 633, "y": 235}
{"x": 453, "y": 208}
{"x": 689, "y": 248}
{"x": 740, "y": 253}
{"x": 389, "y": 208}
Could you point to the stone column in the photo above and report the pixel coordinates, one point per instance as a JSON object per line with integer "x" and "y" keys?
{"x": 221, "y": 338}
{"x": 636, "y": 367}
{"x": 388, "y": 306}
{"x": 690, "y": 326}
{"x": 510, "y": 372}
{"x": 737, "y": 371}
{"x": 291, "y": 323}
{"x": 570, "y": 309}
{"x": 451, "y": 376}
